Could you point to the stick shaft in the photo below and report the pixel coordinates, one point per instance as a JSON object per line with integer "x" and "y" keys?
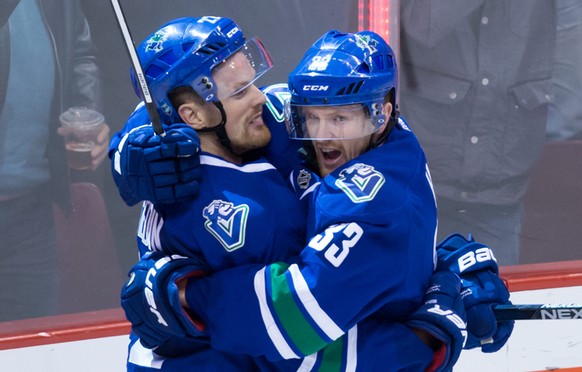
{"x": 538, "y": 312}
{"x": 149, "y": 103}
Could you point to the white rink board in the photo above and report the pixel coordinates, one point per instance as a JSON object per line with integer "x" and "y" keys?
{"x": 535, "y": 345}
{"x": 96, "y": 355}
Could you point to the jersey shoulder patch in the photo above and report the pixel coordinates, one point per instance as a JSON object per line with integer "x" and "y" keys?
{"x": 360, "y": 182}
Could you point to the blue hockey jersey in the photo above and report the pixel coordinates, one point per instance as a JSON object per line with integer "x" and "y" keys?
{"x": 373, "y": 226}
{"x": 370, "y": 257}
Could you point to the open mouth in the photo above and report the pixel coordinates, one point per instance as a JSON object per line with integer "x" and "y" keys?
{"x": 257, "y": 120}
{"x": 330, "y": 154}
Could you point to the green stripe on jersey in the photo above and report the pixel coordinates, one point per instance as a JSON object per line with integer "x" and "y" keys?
{"x": 332, "y": 357}
{"x": 297, "y": 327}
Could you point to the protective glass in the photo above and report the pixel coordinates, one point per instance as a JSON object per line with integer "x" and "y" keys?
{"x": 332, "y": 122}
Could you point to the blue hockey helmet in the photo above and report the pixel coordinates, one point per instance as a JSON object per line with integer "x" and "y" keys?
{"x": 185, "y": 51}
{"x": 342, "y": 69}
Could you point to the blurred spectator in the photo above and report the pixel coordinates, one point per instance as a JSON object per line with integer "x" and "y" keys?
{"x": 46, "y": 66}
{"x": 565, "y": 112}
{"x": 476, "y": 78}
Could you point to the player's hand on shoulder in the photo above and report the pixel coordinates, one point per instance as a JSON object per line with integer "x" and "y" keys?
{"x": 151, "y": 298}
{"x": 482, "y": 289}
{"x": 161, "y": 169}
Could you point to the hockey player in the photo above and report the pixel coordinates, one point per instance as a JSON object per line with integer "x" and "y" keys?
{"x": 226, "y": 223}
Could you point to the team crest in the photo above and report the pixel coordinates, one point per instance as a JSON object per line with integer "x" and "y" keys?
{"x": 366, "y": 42}
{"x": 156, "y": 41}
{"x": 227, "y": 223}
{"x": 360, "y": 182}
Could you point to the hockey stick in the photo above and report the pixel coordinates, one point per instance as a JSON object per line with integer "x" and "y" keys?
{"x": 149, "y": 103}
{"x": 538, "y": 312}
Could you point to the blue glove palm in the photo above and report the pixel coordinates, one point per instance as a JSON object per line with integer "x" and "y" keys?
{"x": 481, "y": 290}
{"x": 151, "y": 299}
{"x": 161, "y": 169}
{"x": 443, "y": 316}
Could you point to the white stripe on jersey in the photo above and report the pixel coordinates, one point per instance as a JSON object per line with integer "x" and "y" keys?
{"x": 247, "y": 168}
{"x": 306, "y": 192}
{"x": 308, "y": 363}
{"x": 274, "y": 332}
{"x": 309, "y": 190}
{"x": 352, "y": 353}
{"x": 320, "y": 317}
{"x": 144, "y": 357}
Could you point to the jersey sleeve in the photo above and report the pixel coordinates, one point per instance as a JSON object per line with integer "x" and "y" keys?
{"x": 291, "y": 310}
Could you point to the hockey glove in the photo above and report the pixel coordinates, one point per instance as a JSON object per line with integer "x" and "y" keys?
{"x": 443, "y": 316}
{"x": 161, "y": 169}
{"x": 151, "y": 299}
{"x": 482, "y": 288}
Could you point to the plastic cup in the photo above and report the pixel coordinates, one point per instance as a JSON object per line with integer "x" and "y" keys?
{"x": 82, "y": 128}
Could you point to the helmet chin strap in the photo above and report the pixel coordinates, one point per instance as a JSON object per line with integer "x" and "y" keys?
{"x": 220, "y": 129}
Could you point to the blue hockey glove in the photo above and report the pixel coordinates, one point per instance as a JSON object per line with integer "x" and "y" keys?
{"x": 482, "y": 288}
{"x": 161, "y": 169}
{"x": 443, "y": 315}
{"x": 151, "y": 299}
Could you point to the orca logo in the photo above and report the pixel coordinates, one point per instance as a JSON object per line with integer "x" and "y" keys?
{"x": 366, "y": 42}
{"x": 360, "y": 182}
{"x": 227, "y": 223}
{"x": 156, "y": 42}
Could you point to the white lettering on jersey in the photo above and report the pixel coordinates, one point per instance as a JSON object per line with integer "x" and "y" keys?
{"x": 149, "y": 227}
{"x": 329, "y": 241}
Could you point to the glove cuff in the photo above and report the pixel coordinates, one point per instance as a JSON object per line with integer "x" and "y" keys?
{"x": 191, "y": 324}
{"x": 439, "y": 359}
{"x": 187, "y": 316}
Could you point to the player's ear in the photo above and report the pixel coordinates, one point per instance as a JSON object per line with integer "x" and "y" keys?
{"x": 192, "y": 114}
{"x": 387, "y": 109}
